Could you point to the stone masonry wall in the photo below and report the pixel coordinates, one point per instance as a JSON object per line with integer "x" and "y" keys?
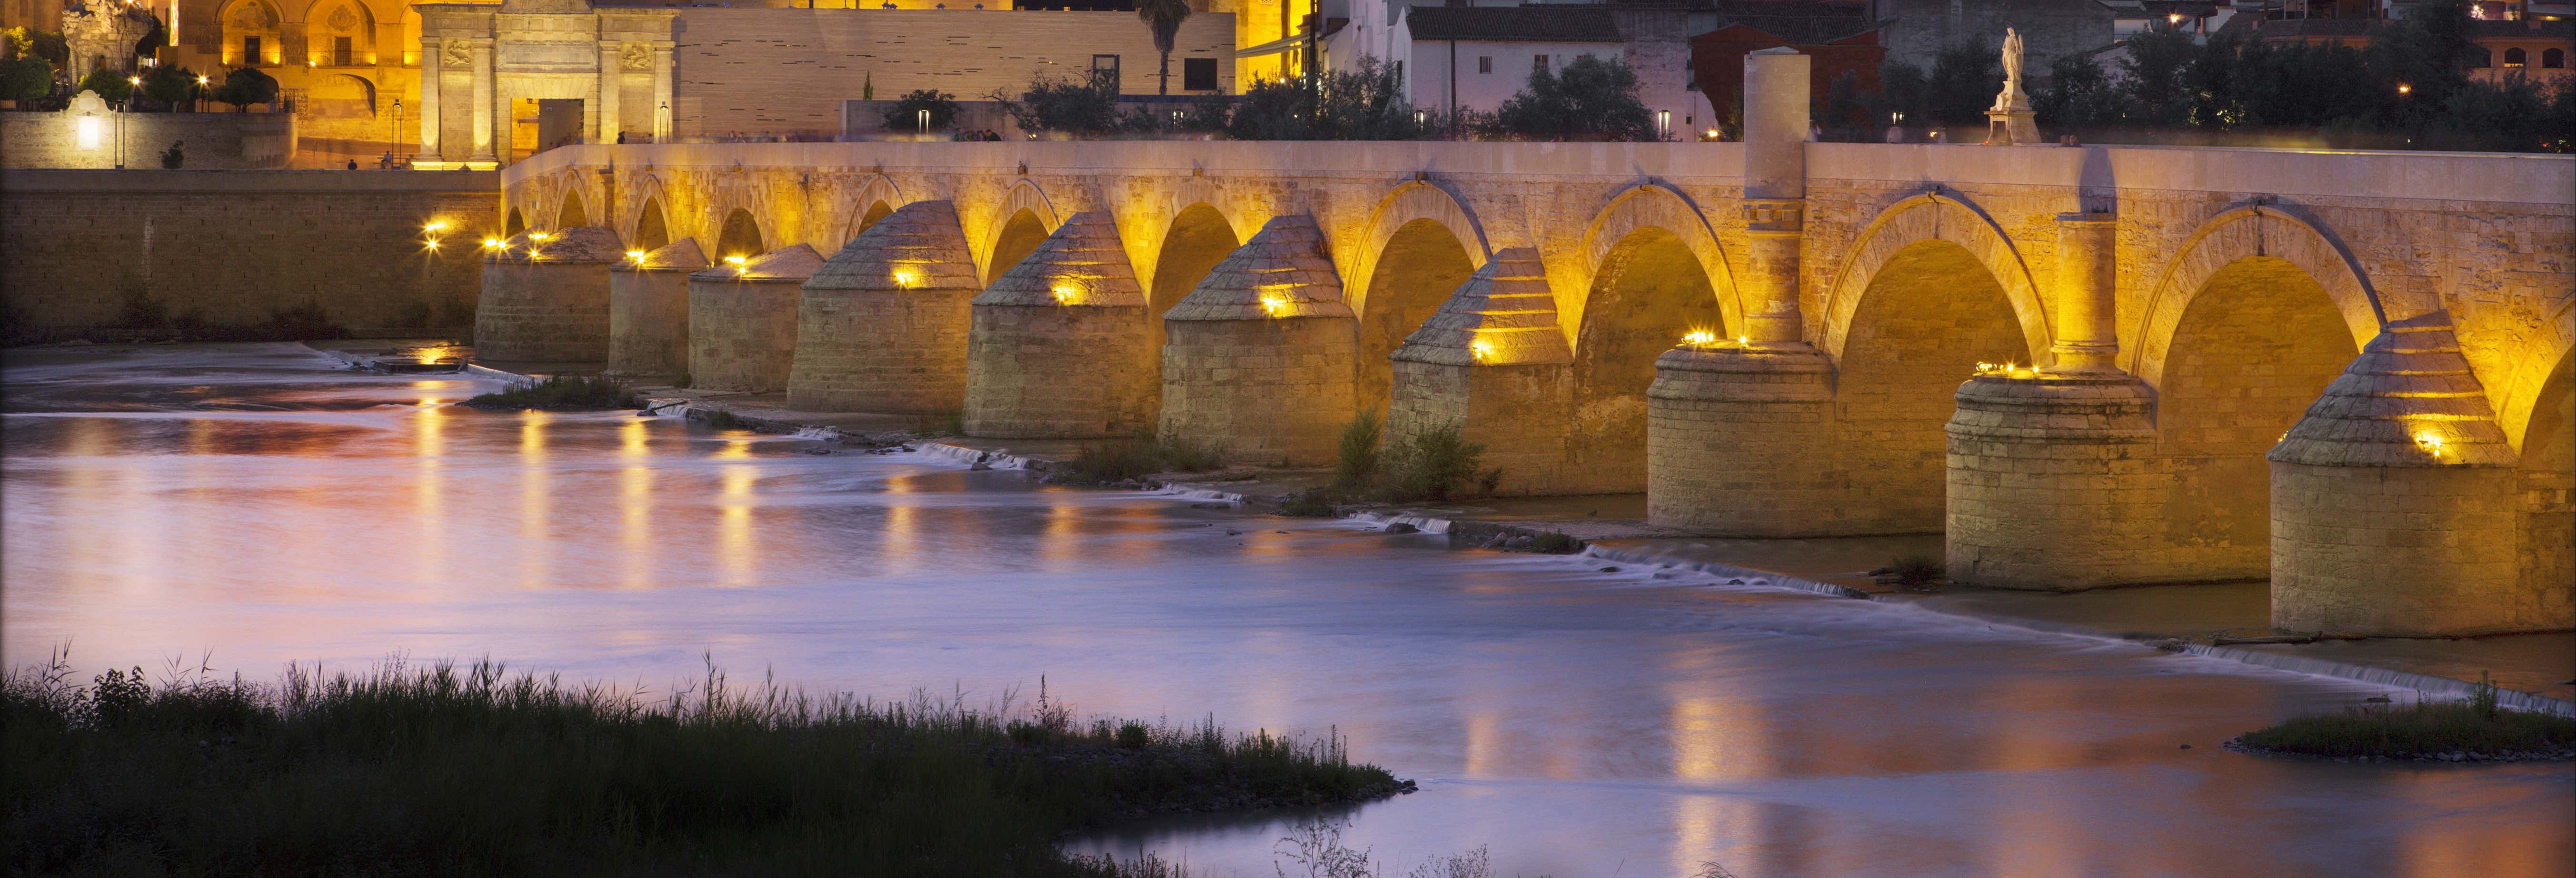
{"x": 210, "y": 141}
{"x": 233, "y": 246}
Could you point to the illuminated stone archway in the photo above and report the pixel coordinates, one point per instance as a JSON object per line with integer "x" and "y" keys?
{"x": 1648, "y": 292}
{"x": 1399, "y": 211}
{"x": 1931, "y": 217}
{"x": 877, "y": 198}
{"x": 2248, "y": 232}
{"x": 1014, "y": 228}
{"x": 1198, "y": 239}
{"x": 1930, "y": 313}
{"x": 2250, "y": 352}
{"x": 1415, "y": 269}
{"x": 739, "y": 236}
{"x": 1657, "y": 207}
{"x": 652, "y": 232}
{"x": 572, "y": 213}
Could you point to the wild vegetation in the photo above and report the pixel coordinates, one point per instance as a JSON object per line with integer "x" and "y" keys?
{"x": 1132, "y": 459}
{"x": 560, "y": 393}
{"x": 906, "y": 114}
{"x": 471, "y": 771}
{"x": 2474, "y": 729}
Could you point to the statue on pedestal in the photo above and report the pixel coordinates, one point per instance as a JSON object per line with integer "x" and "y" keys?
{"x": 2010, "y": 122}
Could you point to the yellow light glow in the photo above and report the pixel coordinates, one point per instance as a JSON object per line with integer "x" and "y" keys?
{"x": 2403, "y": 88}
{"x": 134, "y": 80}
{"x": 1744, "y": 340}
{"x": 433, "y": 243}
{"x": 201, "y": 80}
{"x": 637, "y": 255}
{"x": 1481, "y": 348}
{"x": 2431, "y": 441}
{"x": 537, "y": 236}
{"x": 1272, "y": 303}
{"x": 491, "y": 243}
{"x": 905, "y": 278}
{"x": 1699, "y": 337}
{"x": 2175, "y": 18}
{"x": 434, "y": 225}
{"x": 736, "y": 260}
{"x": 1065, "y": 293}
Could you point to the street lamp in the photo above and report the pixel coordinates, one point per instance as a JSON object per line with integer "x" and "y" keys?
{"x": 201, "y": 95}
{"x": 393, "y": 127}
{"x": 922, "y": 117}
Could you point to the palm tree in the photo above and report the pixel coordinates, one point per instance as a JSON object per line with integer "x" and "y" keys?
{"x": 1165, "y": 17}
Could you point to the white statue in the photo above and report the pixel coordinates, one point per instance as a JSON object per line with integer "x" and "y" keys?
{"x": 2012, "y": 62}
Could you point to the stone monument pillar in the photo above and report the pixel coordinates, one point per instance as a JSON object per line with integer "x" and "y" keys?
{"x": 1740, "y": 432}
{"x": 2010, "y": 122}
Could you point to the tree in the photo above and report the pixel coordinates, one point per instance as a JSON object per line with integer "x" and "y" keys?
{"x": 49, "y": 45}
{"x": 1964, "y": 81}
{"x": 246, "y": 86}
{"x": 1592, "y": 97}
{"x": 907, "y": 109}
{"x": 170, "y": 84}
{"x": 111, "y": 86}
{"x": 26, "y": 78}
{"x": 1164, "y": 18}
{"x": 2079, "y": 95}
{"x": 1900, "y": 91}
{"x": 1053, "y": 103}
{"x": 1363, "y": 104}
{"x": 2154, "y": 76}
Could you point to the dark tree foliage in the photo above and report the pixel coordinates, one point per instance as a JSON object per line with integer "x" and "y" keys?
{"x": 1163, "y": 18}
{"x": 1842, "y": 111}
{"x": 1088, "y": 105}
{"x": 2080, "y": 95}
{"x": 1963, "y": 84}
{"x": 111, "y": 86}
{"x": 20, "y": 42}
{"x": 1593, "y": 97}
{"x": 1900, "y": 93}
{"x": 906, "y": 114}
{"x": 2154, "y": 71}
{"x": 245, "y": 86}
{"x": 170, "y": 84}
{"x": 26, "y": 78}
{"x": 1363, "y": 104}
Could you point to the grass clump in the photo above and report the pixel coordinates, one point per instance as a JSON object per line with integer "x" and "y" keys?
{"x": 1132, "y": 459}
{"x": 1355, "y": 464}
{"x": 1916, "y": 572}
{"x": 560, "y": 393}
{"x": 2476, "y": 728}
{"x": 471, "y": 771}
{"x": 1432, "y": 464}
{"x": 1310, "y": 503}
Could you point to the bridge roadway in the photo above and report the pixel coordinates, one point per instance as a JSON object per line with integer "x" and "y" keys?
{"x": 2345, "y": 371}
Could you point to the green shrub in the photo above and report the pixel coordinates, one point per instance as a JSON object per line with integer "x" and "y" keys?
{"x": 1118, "y": 460}
{"x": 1309, "y": 503}
{"x": 245, "y": 86}
{"x": 27, "y": 78}
{"x": 561, "y": 392}
{"x": 1088, "y": 105}
{"x": 2420, "y": 730}
{"x": 1916, "y": 571}
{"x": 1431, "y": 464}
{"x": 111, "y": 86}
{"x": 471, "y": 771}
{"x": 1591, "y": 96}
{"x": 1355, "y": 463}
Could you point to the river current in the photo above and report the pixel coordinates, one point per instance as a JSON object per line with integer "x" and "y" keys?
{"x": 259, "y": 505}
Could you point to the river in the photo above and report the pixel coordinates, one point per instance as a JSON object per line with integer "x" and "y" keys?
{"x": 259, "y": 505}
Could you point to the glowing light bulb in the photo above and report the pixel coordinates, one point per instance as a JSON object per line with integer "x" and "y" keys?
{"x": 537, "y": 236}
{"x": 736, "y": 260}
{"x": 1271, "y": 303}
{"x": 636, "y": 255}
{"x": 2430, "y": 440}
{"x": 433, "y": 243}
{"x": 1699, "y": 337}
{"x": 905, "y": 278}
{"x": 1065, "y": 293}
{"x": 1482, "y": 348}
{"x": 1744, "y": 340}
{"x": 491, "y": 243}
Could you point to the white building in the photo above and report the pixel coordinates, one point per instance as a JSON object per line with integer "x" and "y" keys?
{"x": 1479, "y": 56}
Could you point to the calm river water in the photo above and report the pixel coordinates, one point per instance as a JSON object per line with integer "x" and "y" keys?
{"x": 257, "y": 503}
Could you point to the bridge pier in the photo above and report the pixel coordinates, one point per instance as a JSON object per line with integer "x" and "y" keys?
{"x": 1261, "y": 353}
{"x": 545, "y": 297}
{"x": 648, "y": 311}
{"x": 742, "y": 320}
{"x": 1493, "y": 363}
{"x": 2395, "y": 502}
{"x": 1058, "y": 347}
{"x": 882, "y": 326}
{"x": 1739, "y": 441}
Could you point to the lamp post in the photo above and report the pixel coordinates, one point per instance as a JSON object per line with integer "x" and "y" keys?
{"x": 201, "y": 96}
{"x": 922, "y": 117}
{"x": 393, "y": 129}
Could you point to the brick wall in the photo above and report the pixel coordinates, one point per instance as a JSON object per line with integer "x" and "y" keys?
{"x": 776, "y": 70}
{"x": 232, "y": 246}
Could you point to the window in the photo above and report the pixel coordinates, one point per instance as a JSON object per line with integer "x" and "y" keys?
{"x": 1538, "y": 63}
{"x": 341, "y": 53}
{"x": 2513, "y": 57}
{"x": 1484, "y": 63}
{"x": 1198, "y": 74}
{"x": 1104, "y": 69}
{"x": 2553, "y": 58}
{"x": 250, "y": 52}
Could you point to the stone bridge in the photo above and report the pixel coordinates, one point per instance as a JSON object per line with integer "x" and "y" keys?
{"x": 2348, "y": 372}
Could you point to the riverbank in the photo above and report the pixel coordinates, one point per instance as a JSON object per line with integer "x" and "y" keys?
{"x": 449, "y": 770}
{"x": 2221, "y": 620}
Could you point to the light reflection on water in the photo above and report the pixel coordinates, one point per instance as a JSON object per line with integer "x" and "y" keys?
{"x": 1579, "y": 722}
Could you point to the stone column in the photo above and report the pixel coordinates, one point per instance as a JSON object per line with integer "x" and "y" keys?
{"x": 2054, "y": 484}
{"x": 603, "y": 110}
{"x": 1057, "y": 347}
{"x": 2395, "y": 500}
{"x": 883, "y": 324}
{"x": 504, "y": 126}
{"x": 2087, "y": 342}
{"x": 547, "y": 300}
{"x": 1262, "y": 351}
{"x": 742, "y": 320}
{"x": 648, "y": 311}
{"x": 1775, "y": 191}
{"x": 433, "y": 56}
{"x": 481, "y": 108}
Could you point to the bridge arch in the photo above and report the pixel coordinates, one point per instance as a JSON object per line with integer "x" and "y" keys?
{"x": 2543, "y": 365}
{"x": 1197, "y": 238}
{"x": 733, "y": 206}
{"x": 2252, "y": 231}
{"x": 570, "y": 211}
{"x": 1655, "y": 275}
{"x": 1932, "y": 289}
{"x": 1413, "y": 202}
{"x": 1934, "y": 217}
{"x": 877, "y": 197}
{"x": 1022, "y": 220}
{"x": 648, "y": 225}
